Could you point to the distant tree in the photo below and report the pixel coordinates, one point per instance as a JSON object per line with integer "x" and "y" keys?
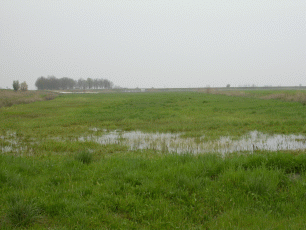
{"x": 108, "y": 84}
{"x": 101, "y": 83}
{"x": 71, "y": 83}
{"x": 62, "y": 83}
{"x": 41, "y": 83}
{"x": 16, "y": 85}
{"x": 82, "y": 83}
{"x": 66, "y": 83}
{"x": 78, "y": 84}
{"x": 53, "y": 82}
{"x": 24, "y": 86}
{"x": 90, "y": 83}
{"x": 96, "y": 83}
{"x": 228, "y": 85}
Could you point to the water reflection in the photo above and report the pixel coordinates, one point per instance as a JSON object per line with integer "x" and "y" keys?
{"x": 169, "y": 142}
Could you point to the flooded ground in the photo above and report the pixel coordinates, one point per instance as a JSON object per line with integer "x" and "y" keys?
{"x": 12, "y": 143}
{"x": 169, "y": 142}
{"x": 173, "y": 143}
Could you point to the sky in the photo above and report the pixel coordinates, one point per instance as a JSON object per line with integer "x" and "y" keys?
{"x": 155, "y": 43}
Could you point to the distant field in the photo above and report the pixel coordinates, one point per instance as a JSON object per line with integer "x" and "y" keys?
{"x": 56, "y": 172}
{"x": 10, "y": 97}
{"x": 192, "y": 113}
{"x": 285, "y": 95}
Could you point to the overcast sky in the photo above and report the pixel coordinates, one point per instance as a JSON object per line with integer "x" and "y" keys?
{"x": 155, "y": 43}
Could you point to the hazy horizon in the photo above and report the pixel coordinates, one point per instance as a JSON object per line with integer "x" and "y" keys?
{"x": 160, "y": 44}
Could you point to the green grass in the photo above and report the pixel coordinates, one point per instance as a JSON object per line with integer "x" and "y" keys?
{"x": 194, "y": 114}
{"x": 154, "y": 191}
{"x": 58, "y": 182}
{"x": 22, "y": 213}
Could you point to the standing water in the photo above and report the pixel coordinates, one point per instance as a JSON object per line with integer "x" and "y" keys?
{"x": 169, "y": 142}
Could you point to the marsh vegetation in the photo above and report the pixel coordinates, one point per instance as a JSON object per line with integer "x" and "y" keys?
{"x": 63, "y": 165}
{"x": 10, "y": 97}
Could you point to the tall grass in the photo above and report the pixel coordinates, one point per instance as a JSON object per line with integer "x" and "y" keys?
{"x": 10, "y": 97}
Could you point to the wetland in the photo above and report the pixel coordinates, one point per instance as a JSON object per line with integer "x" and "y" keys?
{"x": 188, "y": 160}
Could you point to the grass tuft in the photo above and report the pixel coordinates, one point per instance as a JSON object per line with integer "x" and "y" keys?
{"x": 84, "y": 157}
{"x": 22, "y": 213}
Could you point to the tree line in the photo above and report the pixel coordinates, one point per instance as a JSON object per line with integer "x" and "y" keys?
{"x": 53, "y": 83}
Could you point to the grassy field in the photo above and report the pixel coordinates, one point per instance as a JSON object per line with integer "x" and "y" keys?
{"x": 49, "y": 179}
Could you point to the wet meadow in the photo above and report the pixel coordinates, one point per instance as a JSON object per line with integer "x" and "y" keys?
{"x": 164, "y": 160}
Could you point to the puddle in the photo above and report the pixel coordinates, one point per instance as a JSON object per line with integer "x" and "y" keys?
{"x": 173, "y": 143}
{"x": 12, "y": 143}
{"x": 168, "y": 142}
